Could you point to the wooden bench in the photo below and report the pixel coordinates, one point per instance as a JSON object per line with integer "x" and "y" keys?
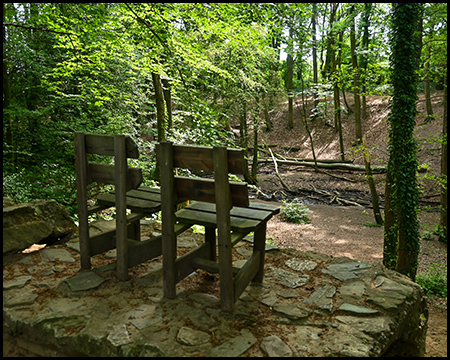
{"x": 143, "y": 201}
{"x": 219, "y": 203}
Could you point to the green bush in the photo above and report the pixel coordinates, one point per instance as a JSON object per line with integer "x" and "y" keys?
{"x": 295, "y": 211}
{"x": 434, "y": 281}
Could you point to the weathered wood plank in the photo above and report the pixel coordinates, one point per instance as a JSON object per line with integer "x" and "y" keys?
{"x": 223, "y": 206}
{"x": 209, "y": 265}
{"x": 142, "y": 251}
{"x": 268, "y": 207}
{"x": 104, "y": 145}
{"x": 105, "y": 174}
{"x": 120, "y": 176}
{"x": 242, "y": 212}
{"x": 201, "y": 158}
{"x": 168, "y": 201}
{"x": 246, "y": 274}
{"x": 240, "y": 225}
{"x": 134, "y": 204}
{"x": 204, "y": 190}
{"x": 183, "y": 266}
{"x": 82, "y": 182}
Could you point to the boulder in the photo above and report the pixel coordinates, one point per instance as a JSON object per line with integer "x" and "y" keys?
{"x": 34, "y": 222}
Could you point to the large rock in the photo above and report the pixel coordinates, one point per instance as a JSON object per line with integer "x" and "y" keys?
{"x": 31, "y": 223}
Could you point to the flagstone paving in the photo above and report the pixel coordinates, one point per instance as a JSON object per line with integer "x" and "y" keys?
{"x": 309, "y": 304}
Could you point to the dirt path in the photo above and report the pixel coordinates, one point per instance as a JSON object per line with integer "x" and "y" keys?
{"x": 340, "y": 231}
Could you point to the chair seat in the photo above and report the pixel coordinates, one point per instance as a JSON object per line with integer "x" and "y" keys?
{"x": 143, "y": 199}
{"x": 242, "y": 220}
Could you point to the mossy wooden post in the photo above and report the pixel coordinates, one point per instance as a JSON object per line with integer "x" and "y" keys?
{"x": 169, "y": 245}
{"x": 83, "y": 226}
{"x": 223, "y": 207}
{"x": 121, "y": 206}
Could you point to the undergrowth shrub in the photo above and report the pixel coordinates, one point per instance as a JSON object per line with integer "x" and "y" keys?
{"x": 295, "y": 211}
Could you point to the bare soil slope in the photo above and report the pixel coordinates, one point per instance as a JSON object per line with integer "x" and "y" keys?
{"x": 340, "y": 230}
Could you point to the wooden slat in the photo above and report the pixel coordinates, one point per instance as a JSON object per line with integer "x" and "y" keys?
{"x": 104, "y": 174}
{"x": 246, "y": 274}
{"x": 210, "y": 219}
{"x": 196, "y": 157}
{"x": 142, "y": 251}
{"x": 183, "y": 266}
{"x": 236, "y": 237}
{"x": 96, "y": 208}
{"x": 267, "y": 207}
{"x": 209, "y": 265}
{"x": 139, "y": 193}
{"x": 140, "y": 205}
{"x": 243, "y": 212}
{"x": 104, "y": 145}
{"x": 204, "y": 190}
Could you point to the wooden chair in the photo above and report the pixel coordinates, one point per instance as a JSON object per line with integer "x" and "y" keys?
{"x": 142, "y": 201}
{"x": 220, "y": 204}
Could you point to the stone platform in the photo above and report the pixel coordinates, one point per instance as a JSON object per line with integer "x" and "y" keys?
{"x": 310, "y": 304}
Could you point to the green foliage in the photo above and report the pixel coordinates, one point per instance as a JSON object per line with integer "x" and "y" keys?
{"x": 434, "y": 281}
{"x": 295, "y": 211}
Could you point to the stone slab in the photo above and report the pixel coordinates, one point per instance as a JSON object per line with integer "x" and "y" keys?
{"x": 84, "y": 281}
{"x": 106, "y": 317}
{"x": 235, "y": 346}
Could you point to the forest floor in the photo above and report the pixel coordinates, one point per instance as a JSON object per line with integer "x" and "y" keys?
{"x": 340, "y": 230}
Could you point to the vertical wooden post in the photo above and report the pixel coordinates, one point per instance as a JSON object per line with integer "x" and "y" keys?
{"x": 210, "y": 236}
{"x": 83, "y": 225}
{"x": 121, "y": 206}
{"x": 169, "y": 239}
{"x": 223, "y": 206}
{"x": 259, "y": 244}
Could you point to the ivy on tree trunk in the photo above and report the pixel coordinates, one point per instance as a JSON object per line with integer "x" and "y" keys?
{"x": 402, "y": 165}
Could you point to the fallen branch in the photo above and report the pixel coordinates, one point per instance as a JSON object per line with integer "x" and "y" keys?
{"x": 278, "y": 174}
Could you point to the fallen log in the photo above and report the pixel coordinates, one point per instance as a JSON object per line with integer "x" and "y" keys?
{"x": 320, "y": 164}
{"x": 307, "y": 159}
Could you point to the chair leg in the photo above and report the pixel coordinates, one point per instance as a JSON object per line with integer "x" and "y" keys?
{"x": 210, "y": 236}
{"x": 226, "y": 273}
{"x": 169, "y": 251}
{"x": 259, "y": 243}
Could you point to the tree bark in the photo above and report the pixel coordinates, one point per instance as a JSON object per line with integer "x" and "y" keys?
{"x": 289, "y": 85}
{"x": 160, "y": 113}
{"x": 443, "y": 215}
{"x": 314, "y": 56}
{"x": 373, "y": 190}
{"x": 356, "y": 84}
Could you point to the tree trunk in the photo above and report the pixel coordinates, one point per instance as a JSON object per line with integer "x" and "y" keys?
{"x": 160, "y": 113}
{"x": 363, "y": 58}
{"x": 168, "y": 100}
{"x": 390, "y": 228}
{"x": 443, "y": 217}
{"x": 243, "y": 136}
{"x": 402, "y": 146}
{"x": 314, "y": 56}
{"x": 426, "y": 83}
{"x": 373, "y": 190}
{"x": 289, "y": 84}
{"x": 356, "y": 85}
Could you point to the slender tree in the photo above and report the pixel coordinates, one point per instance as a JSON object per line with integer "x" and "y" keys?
{"x": 402, "y": 165}
{"x": 356, "y": 82}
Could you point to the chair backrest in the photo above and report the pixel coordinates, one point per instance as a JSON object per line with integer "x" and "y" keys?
{"x": 220, "y": 160}
{"x": 119, "y": 146}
